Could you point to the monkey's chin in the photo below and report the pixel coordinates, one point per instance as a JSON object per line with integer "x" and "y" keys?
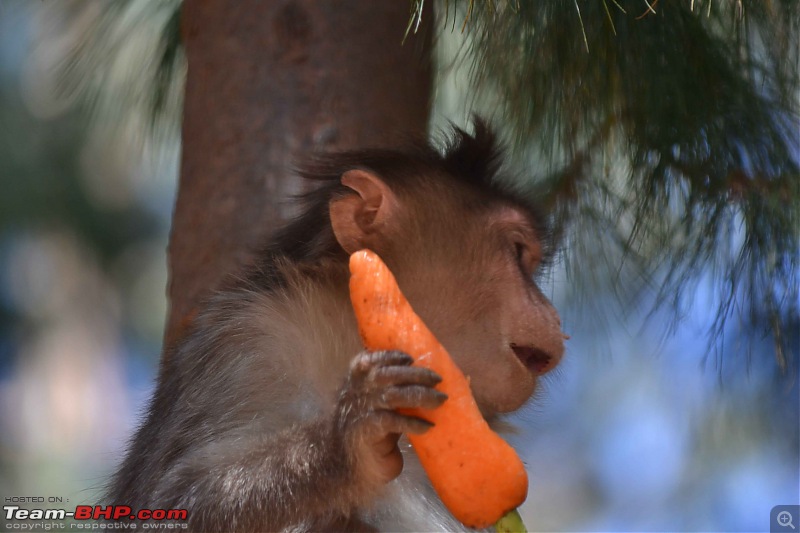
{"x": 514, "y": 396}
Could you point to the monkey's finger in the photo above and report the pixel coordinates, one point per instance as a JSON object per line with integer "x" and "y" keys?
{"x": 365, "y": 361}
{"x": 405, "y": 375}
{"x": 386, "y": 421}
{"x": 416, "y": 426}
{"x": 393, "y": 358}
{"x": 412, "y": 397}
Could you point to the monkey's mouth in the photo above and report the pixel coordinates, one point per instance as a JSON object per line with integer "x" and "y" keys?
{"x": 534, "y": 359}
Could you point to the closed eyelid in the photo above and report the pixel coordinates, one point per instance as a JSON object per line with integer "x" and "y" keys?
{"x": 527, "y": 254}
{"x": 515, "y": 227}
{"x": 527, "y": 240}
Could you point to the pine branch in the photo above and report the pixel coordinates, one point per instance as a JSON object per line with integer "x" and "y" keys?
{"x": 701, "y": 97}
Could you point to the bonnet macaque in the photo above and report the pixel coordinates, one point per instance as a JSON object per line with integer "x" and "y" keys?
{"x": 269, "y": 415}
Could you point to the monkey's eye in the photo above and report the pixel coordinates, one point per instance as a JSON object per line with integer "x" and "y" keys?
{"x": 527, "y": 256}
{"x": 519, "y": 250}
{"x": 523, "y": 258}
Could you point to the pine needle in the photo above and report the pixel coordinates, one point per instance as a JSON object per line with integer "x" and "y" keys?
{"x": 583, "y": 30}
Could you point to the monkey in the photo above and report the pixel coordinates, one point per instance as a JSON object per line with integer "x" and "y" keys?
{"x": 269, "y": 415}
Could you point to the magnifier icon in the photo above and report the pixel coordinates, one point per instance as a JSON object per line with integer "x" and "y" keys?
{"x": 785, "y": 519}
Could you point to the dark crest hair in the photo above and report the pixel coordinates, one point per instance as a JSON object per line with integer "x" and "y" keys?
{"x": 474, "y": 160}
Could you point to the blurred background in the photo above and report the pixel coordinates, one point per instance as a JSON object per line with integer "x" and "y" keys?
{"x": 649, "y": 425}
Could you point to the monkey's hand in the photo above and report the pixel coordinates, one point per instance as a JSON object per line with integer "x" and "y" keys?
{"x": 367, "y": 424}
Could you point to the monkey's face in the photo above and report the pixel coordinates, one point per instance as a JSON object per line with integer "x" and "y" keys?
{"x": 472, "y": 283}
{"x": 466, "y": 265}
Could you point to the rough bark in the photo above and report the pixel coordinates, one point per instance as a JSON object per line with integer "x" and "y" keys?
{"x": 269, "y": 81}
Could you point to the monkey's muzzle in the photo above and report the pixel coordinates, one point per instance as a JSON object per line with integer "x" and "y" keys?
{"x": 536, "y": 360}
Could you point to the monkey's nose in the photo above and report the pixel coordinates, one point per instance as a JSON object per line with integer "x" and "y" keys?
{"x": 536, "y": 360}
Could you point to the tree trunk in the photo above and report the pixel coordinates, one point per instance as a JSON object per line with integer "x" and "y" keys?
{"x": 270, "y": 81}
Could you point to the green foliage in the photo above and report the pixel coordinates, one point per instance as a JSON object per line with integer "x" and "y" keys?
{"x": 127, "y": 63}
{"x": 673, "y": 125}
{"x": 665, "y": 134}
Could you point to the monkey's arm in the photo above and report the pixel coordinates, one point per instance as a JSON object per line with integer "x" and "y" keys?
{"x": 312, "y": 475}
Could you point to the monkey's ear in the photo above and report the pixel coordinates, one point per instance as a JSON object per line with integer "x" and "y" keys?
{"x": 358, "y": 218}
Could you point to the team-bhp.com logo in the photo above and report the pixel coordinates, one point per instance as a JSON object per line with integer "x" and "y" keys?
{"x": 96, "y": 512}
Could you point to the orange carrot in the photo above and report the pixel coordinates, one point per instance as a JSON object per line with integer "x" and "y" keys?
{"x": 478, "y": 476}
